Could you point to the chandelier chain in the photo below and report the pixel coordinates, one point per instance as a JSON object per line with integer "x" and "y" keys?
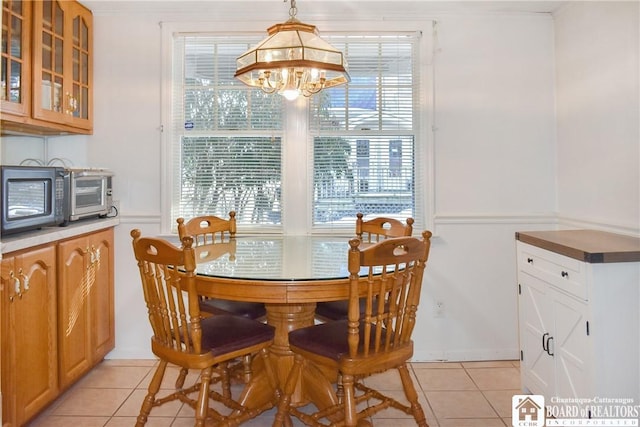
{"x": 293, "y": 10}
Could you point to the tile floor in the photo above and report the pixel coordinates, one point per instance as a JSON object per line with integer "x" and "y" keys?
{"x": 465, "y": 394}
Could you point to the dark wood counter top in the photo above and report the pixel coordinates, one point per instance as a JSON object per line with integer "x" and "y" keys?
{"x": 591, "y": 246}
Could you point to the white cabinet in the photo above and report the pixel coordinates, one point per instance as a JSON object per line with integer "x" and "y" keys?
{"x": 578, "y": 296}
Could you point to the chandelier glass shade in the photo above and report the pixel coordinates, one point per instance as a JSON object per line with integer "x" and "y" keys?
{"x": 292, "y": 60}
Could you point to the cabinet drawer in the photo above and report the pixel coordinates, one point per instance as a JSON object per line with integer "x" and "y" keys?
{"x": 567, "y": 274}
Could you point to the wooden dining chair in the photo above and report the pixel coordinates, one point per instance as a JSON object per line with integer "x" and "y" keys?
{"x": 207, "y": 230}
{"x": 369, "y": 231}
{"x": 211, "y": 231}
{"x": 371, "y": 341}
{"x": 182, "y": 337}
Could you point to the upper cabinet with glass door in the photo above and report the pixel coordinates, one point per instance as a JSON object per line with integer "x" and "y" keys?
{"x": 61, "y": 70}
{"x": 15, "y": 95}
{"x": 62, "y": 63}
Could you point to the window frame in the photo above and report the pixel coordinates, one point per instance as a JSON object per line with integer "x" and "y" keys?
{"x": 300, "y": 221}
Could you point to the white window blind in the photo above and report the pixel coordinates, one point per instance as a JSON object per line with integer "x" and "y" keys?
{"x": 227, "y": 141}
{"x": 364, "y": 133}
{"x": 226, "y": 138}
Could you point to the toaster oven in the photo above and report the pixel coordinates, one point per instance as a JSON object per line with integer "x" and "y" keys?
{"x": 88, "y": 193}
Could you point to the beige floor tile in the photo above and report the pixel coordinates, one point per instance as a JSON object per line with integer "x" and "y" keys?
{"x": 188, "y": 412}
{"x": 64, "y": 421}
{"x": 182, "y": 422}
{"x": 460, "y": 404}
{"x": 388, "y": 380}
{"x": 266, "y": 419}
{"x": 435, "y": 365}
{"x": 130, "y": 362}
{"x": 452, "y": 394}
{"x": 465, "y": 422}
{"x": 496, "y": 378}
{"x": 501, "y": 400}
{"x": 92, "y": 401}
{"x": 444, "y": 379}
{"x": 108, "y": 376}
{"x": 169, "y": 379}
{"x": 131, "y": 421}
{"x": 392, "y": 413}
{"x": 131, "y": 407}
{"x": 400, "y": 423}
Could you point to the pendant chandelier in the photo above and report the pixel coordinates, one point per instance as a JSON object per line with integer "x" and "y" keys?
{"x": 293, "y": 60}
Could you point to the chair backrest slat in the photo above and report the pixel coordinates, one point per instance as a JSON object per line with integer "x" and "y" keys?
{"x": 393, "y": 284}
{"x": 168, "y": 282}
{"x": 208, "y": 229}
{"x": 380, "y": 228}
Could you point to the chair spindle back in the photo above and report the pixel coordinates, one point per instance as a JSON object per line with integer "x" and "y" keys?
{"x": 395, "y": 267}
{"x": 208, "y": 229}
{"x": 380, "y": 228}
{"x": 168, "y": 282}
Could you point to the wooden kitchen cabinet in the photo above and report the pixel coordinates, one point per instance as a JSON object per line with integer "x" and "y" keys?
{"x": 85, "y": 303}
{"x": 29, "y": 333}
{"x": 579, "y": 299}
{"x": 61, "y": 69}
{"x": 56, "y": 319}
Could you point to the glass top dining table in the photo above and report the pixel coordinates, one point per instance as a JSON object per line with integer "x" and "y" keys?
{"x": 290, "y": 274}
{"x": 276, "y": 258}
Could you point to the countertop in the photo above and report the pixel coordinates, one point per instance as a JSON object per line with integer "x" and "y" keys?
{"x": 590, "y": 246}
{"x": 16, "y": 242}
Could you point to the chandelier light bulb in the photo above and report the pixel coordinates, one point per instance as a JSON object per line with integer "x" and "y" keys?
{"x": 290, "y": 89}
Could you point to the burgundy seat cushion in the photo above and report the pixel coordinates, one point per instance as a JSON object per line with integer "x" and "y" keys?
{"x": 337, "y": 310}
{"x": 226, "y": 333}
{"x": 327, "y": 339}
{"x": 250, "y": 310}
{"x": 334, "y": 310}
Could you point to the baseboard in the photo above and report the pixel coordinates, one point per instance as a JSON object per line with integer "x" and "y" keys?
{"x": 465, "y": 355}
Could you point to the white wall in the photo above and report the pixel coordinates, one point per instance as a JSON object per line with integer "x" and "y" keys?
{"x": 597, "y": 48}
{"x": 493, "y": 176}
{"x": 53, "y": 150}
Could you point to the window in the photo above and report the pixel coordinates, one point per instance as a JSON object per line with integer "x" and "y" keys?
{"x": 353, "y": 148}
{"x": 226, "y": 141}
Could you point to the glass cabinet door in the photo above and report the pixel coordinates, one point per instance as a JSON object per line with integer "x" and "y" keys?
{"x": 49, "y": 67}
{"x": 79, "y": 101}
{"x": 15, "y": 82}
{"x": 62, "y": 63}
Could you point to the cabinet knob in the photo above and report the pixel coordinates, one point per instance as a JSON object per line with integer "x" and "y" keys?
{"x": 530, "y": 260}
{"x": 564, "y": 274}
{"x": 25, "y": 281}
{"x": 17, "y": 292}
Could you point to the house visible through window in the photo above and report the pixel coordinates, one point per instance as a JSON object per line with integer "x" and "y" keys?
{"x": 228, "y": 142}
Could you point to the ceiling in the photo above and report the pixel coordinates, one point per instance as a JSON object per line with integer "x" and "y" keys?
{"x": 312, "y": 7}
